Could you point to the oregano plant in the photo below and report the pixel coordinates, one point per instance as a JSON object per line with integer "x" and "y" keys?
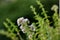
{"x": 40, "y": 30}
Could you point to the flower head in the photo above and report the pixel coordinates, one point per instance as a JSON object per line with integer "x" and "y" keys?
{"x": 19, "y": 21}
{"x": 22, "y": 29}
{"x": 25, "y": 21}
{"x": 32, "y": 27}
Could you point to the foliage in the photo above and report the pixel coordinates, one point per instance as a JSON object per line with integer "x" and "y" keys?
{"x": 40, "y": 30}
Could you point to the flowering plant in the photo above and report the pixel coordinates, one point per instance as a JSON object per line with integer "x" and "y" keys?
{"x": 40, "y": 30}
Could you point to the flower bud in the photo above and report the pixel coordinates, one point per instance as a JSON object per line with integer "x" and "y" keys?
{"x": 32, "y": 27}
{"x": 54, "y": 8}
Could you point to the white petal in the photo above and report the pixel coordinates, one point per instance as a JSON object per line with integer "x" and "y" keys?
{"x": 21, "y": 27}
{"x": 19, "y": 20}
{"x": 23, "y": 30}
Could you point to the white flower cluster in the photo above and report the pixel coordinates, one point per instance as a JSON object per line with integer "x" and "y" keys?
{"x": 21, "y": 21}
{"x": 22, "y": 29}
